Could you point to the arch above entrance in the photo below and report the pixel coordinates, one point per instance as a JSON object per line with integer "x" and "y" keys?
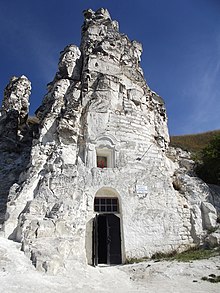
{"x": 107, "y": 192}
{"x": 106, "y": 201}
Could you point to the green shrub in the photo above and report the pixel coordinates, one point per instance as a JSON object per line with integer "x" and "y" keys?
{"x": 209, "y": 169}
{"x": 205, "y": 151}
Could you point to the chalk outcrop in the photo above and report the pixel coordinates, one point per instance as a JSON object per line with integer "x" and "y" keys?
{"x": 15, "y": 137}
{"x": 15, "y": 107}
{"x": 101, "y": 155}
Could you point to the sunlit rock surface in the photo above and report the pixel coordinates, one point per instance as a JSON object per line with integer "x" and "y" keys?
{"x": 102, "y": 133}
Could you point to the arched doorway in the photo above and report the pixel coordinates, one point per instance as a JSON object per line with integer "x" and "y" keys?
{"x": 106, "y": 229}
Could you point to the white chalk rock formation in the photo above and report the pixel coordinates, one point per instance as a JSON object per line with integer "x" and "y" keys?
{"x": 101, "y": 185}
{"x": 16, "y": 96}
{"x": 15, "y": 136}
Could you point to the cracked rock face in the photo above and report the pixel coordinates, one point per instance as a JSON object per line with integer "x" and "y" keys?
{"x": 68, "y": 59}
{"x": 16, "y": 96}
{"x": 103, "y": 137}
{"x": 14, "y": 112}
{"x": 15, "y": 137}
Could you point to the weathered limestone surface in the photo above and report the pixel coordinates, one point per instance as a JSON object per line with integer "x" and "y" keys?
{"x": 16, "y": 96}
{"x": 15, "y": 106}
{"x": 15, "y": 136}
{"x": 99, "y": 102}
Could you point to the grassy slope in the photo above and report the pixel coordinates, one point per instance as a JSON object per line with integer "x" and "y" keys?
{"x": 193, "y": 142}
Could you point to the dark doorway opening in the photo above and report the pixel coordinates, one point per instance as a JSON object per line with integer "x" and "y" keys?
{"x": 106, "y": 240}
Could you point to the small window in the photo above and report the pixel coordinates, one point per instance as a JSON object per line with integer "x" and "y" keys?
{"x": 101, "y": 162}
{"x": 105, "y": 158}
{"x": 106, "y": 205}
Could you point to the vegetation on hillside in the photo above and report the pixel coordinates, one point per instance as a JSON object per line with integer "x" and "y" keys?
{"x": 205, "y": 149}
{"x": 209, "y": 168}
{"x": 193, "y": 142}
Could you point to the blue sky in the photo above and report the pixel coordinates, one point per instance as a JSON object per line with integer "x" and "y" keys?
{"x": 181, "y": 41}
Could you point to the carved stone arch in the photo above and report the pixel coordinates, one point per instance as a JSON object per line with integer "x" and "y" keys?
{"x": 107, "y": 190}
{"x": 109, "y": 139}
{"x": 106, "y": 146}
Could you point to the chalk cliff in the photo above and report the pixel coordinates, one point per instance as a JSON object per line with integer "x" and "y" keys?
{"x": 92, "y": 179}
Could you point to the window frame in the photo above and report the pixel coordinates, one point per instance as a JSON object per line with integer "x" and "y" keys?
{"x": 106, "y": 205}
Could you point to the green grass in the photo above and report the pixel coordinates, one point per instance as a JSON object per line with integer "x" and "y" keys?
{"x": 194, "y": 253}
{"x": 197, "y": 254}
{"x": 188, "y": 255}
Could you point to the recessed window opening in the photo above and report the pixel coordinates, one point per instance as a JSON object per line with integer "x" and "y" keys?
{"x": 106, "y": 205}
{"x": 101, "y": 162}
{"x": 104, "y": 158}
